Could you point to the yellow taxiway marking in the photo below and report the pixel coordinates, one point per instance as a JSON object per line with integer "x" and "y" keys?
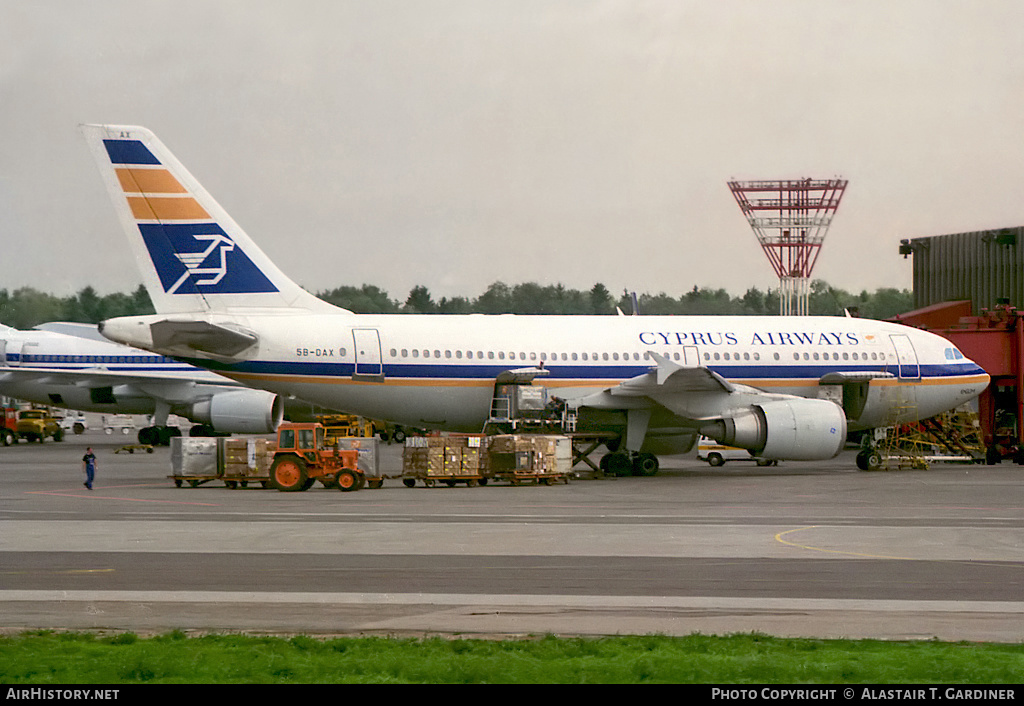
{"x": 780, "y": 538}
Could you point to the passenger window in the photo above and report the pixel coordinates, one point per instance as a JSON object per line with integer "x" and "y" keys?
{"x": 305, "y": 439}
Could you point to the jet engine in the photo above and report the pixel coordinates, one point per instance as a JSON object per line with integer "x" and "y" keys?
{"x": 240, "y": 411}
{"x": 795, "y": 429}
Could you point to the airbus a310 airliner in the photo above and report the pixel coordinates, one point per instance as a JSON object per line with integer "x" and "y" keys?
{"x": 782, "y": 387}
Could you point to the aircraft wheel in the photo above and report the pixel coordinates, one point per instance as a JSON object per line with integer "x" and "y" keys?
{"x": 165, "y": 434}
{"x": 288, "y": 474}
{"x": 619, "y": 464}
{"x": 993, "y": 455}
{"x": 645, "y": 464}
{"x": 869, "y": 460}
{"x": 149, "y": 436}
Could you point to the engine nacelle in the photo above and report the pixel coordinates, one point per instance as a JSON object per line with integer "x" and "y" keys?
{"x": 795, "y": 430}
{"x": 240, "y": 411}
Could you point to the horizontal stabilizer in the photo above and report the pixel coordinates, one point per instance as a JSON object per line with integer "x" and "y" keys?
{"x": 186, "y": 338}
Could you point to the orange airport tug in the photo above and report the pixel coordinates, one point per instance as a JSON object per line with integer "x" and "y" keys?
{"x": 303, "y": 457}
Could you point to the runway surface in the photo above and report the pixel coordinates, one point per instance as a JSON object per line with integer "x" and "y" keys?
{"x": 803, "y": 549}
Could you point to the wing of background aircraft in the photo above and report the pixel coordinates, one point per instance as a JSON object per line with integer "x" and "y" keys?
{"x": 71, "y": 366}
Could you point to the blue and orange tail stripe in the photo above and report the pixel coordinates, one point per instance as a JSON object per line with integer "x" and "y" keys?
{"x": 153, "y": 193}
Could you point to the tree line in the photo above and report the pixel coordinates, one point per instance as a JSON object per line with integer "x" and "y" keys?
{"x": 26, "y": 307}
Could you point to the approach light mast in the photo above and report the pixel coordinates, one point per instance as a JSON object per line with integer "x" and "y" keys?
{"x": 790, "y": 219}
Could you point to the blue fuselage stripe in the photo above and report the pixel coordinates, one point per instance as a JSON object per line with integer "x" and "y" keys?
{"x": 570, "y": 372}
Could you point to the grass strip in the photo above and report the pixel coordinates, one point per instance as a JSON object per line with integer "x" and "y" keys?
{"x": 49, "y": 657}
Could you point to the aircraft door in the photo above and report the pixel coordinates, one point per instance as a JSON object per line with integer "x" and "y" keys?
{"x": 691, "y": 357}
{"x": 906, "y": 356}
{"x": 10, "y": 352}
{"x": 368, "y": 356}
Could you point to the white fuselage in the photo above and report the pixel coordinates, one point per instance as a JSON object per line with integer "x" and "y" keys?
{"x": 438, "y": 371}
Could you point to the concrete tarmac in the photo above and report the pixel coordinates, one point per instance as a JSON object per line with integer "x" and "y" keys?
{"x": 803, "y": 549}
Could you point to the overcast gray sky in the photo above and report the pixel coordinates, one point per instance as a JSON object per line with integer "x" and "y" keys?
{"x": 453, "y": 143}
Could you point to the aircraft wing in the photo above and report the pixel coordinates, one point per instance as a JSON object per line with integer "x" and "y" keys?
{"x": 698, "y": 398}
{"x": 102, "y": 377}
{"x": 669, "y": 385}
{"x": 843, "y": 377}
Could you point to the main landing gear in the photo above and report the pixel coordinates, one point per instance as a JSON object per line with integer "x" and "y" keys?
{"x": 158, "y": 436}
{"x": 629, "y": 463}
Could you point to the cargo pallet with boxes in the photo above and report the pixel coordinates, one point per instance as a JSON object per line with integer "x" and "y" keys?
{"x": 476, "y": 459}
{"x": 240, "y": 461}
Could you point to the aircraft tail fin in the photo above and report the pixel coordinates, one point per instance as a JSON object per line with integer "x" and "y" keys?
{"x": 193, "y": 255}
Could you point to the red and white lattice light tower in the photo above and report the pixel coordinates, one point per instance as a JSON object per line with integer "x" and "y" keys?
{"x": 790, "y": 220}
